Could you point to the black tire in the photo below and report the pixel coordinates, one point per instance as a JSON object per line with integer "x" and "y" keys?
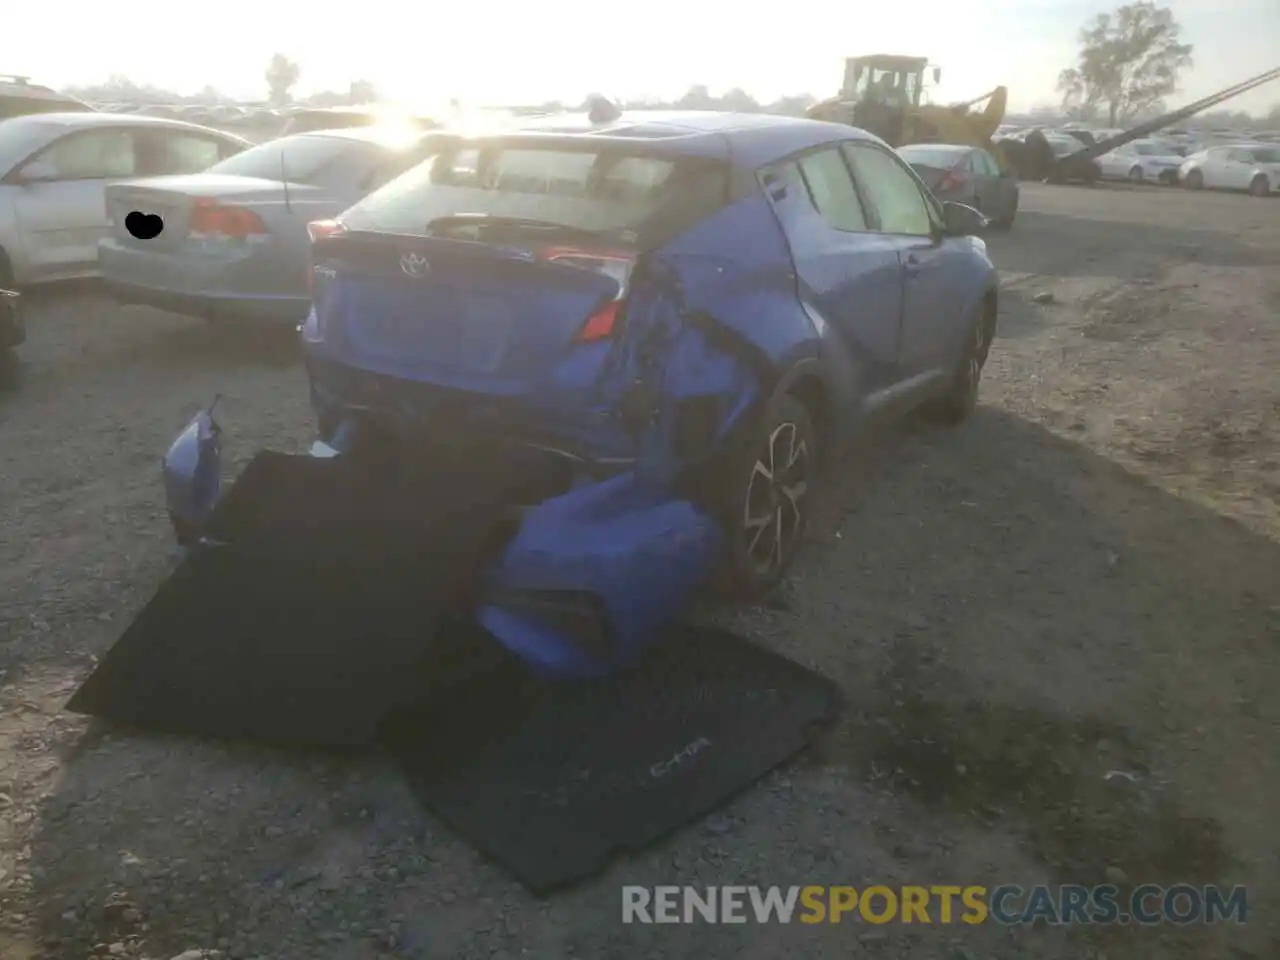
{"x": 1260, "y": 186}
{"x": 961, "y": 397}
{"x": 12, "y": 330}
{"x": 755, "y": 559}
{"x": 1136, "y": 175}
{"x": 1005, "y": 223}
{"x": 1194, "y": 180}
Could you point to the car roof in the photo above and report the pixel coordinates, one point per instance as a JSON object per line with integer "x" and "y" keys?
{"x": 953, "y": 147}
{"x": 107, "y": 119}
{"x": 745, "y": 139}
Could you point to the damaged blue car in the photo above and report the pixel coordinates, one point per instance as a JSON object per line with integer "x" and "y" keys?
{"x": 675, "y": 319}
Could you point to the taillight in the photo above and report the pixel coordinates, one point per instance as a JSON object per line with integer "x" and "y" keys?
{"x": 211, "y": 217}
{"x": 617, "y": 266}
{"x": 954, "y": 180}
{"x": 318, "y": 230}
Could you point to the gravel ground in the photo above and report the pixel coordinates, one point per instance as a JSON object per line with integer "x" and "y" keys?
{"x": 1085, "y": 578}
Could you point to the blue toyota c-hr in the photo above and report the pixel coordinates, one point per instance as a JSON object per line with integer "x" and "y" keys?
{"x": 689, "y": 312}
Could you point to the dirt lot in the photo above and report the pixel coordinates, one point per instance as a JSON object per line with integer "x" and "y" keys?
{"x": 1084, "y": 579}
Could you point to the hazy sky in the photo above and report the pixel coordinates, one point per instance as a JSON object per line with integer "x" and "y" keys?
{"x": 514, "y": 51}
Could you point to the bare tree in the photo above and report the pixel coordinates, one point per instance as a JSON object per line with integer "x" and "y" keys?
{"x": 282, "y": 76}
{"x": 1129, "y": 61}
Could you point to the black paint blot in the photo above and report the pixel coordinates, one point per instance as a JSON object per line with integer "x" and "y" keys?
{"x": 143, "y": 226}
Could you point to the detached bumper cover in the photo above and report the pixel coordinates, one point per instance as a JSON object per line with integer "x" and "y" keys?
{"x": 581, "y": 588}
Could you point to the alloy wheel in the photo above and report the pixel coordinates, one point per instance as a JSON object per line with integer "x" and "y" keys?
{"x": 977, "y": 357}
{"x": 773, "y": 512}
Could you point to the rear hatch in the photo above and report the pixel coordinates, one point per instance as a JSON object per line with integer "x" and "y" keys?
{"x": 504, "y": 268}
{"x": 461, "y": 313}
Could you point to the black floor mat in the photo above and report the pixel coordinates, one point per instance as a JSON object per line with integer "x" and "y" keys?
{"x": 552, "y": 780}
{"x": 316, "y": 618}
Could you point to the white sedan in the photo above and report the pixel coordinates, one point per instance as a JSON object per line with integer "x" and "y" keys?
{"x": 1244, "y": 166}
{"x": 54, "y": 168}
{"x": 1141, "y": 161}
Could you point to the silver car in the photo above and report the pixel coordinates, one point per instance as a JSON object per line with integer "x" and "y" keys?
{"x": 969, "y": 175}
{"x": 235, "y": 244}
{"x": 1142, "y": 161}
{"x": 54, "y": 171}
{"x": 1241, "y": 166}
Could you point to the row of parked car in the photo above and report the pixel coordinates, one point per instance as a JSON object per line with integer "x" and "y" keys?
{"x": 1247, "y": 164}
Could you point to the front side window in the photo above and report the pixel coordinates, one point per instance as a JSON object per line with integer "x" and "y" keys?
{"x": 832, "y": 190}
{"x": 891, "y": 191}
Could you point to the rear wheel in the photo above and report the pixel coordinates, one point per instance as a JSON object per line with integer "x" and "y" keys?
{"x": 1260, "y": 186}
{"x": 766, "y": 505}
{"x": 12, "y": 328}
{"x": 1195, "y": 180}
{"x": 1006, "y": 222}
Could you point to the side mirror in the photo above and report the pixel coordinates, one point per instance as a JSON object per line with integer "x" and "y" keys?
{"x": 38, "y": 171}
{"x": 962, "y": 220}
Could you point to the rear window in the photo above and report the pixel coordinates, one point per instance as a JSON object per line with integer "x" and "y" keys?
{"x": 19, "y": 106}
{"x": 336, "y": 120}
{"x": 1264, "y": 155}
{"x": 302, "y": 158}
{"x": 931, "y": 156}
{"x": 603, "y": 190}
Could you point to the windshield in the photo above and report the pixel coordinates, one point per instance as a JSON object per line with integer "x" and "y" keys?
{"x": 1264, "y": 155}
{"x": 931, "y": 156}
{"x": 599, "y": 190}
{"x": 303, "y": 158}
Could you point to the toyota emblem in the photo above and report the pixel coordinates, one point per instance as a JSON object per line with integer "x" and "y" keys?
{"x": 415, "y": 265}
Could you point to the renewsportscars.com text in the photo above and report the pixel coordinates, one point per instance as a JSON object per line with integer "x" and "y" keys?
{"x": 1007, "y": 904}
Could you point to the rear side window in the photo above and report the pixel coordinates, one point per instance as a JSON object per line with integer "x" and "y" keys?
{"x": 171, "y": 152}
{"x": 832, "y": 190}
{"x": 308, "y": 122}
{"x": 892, "y": 192}
{"x": 609, "y": 190}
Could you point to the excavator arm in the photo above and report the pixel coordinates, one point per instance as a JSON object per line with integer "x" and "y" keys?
{"x": 1165, "y": 120}
{"x": 986, "y": 122}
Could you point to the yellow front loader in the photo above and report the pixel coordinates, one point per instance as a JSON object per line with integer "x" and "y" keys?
{"x": 882, "y": 94}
